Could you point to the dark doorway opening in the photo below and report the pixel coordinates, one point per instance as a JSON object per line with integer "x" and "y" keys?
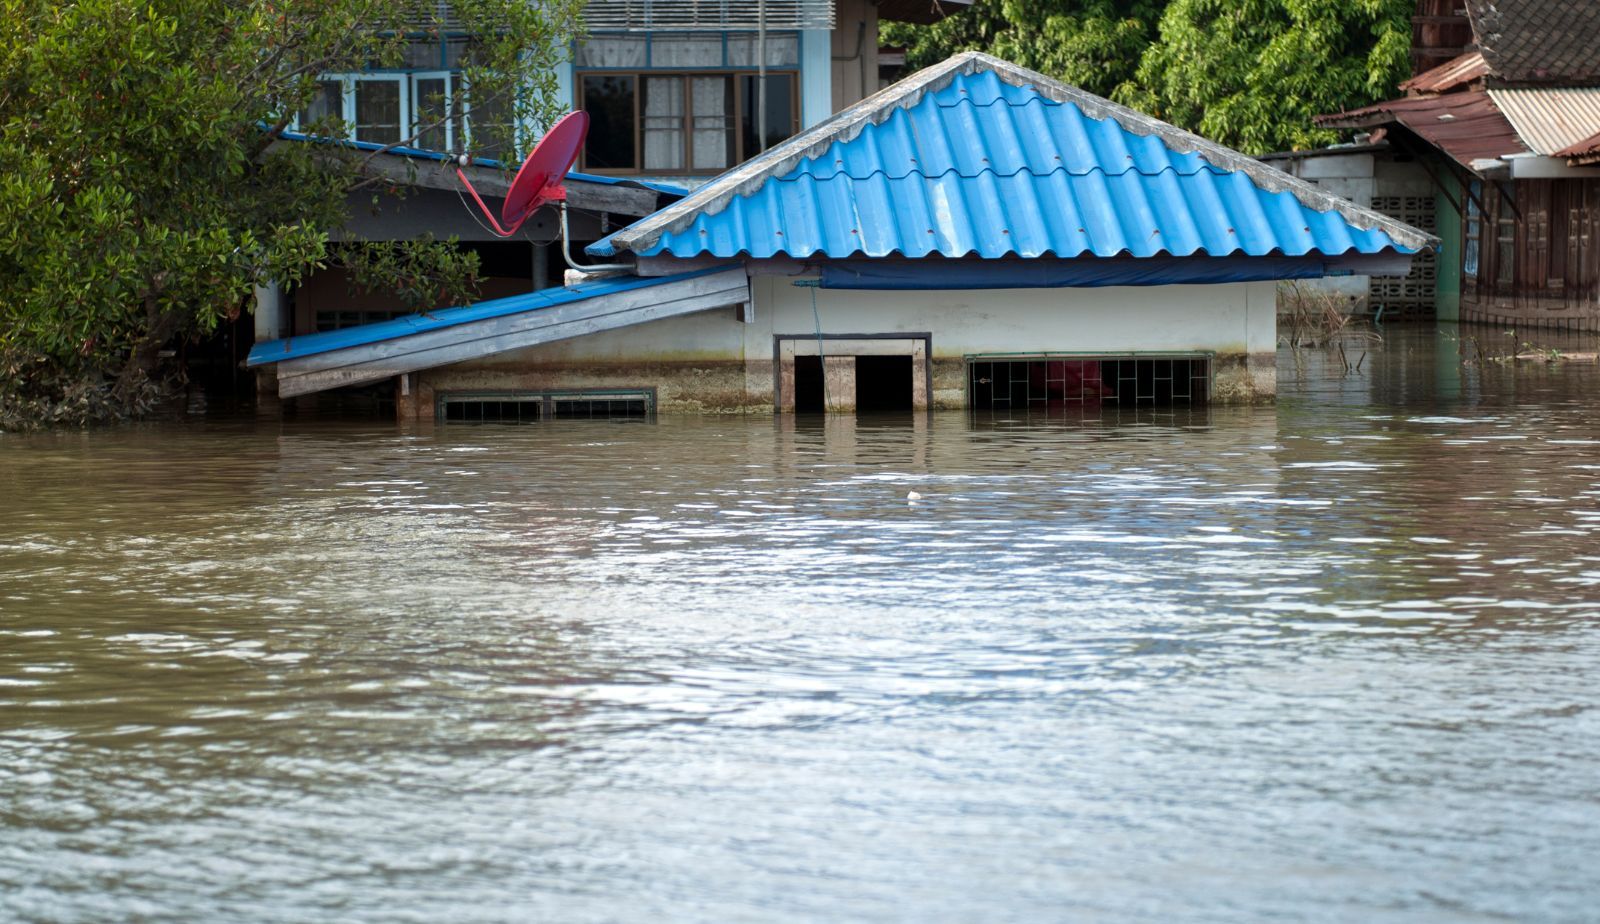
{"x": 883, "y": 383}
{"x": 808, "y": 385}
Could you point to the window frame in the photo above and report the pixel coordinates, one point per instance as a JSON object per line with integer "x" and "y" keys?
{"x": 455, "y": 103}
{"x": 1472, "y": 234}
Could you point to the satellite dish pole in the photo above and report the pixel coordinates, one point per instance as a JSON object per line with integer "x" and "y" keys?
{"x": 761, "y": 73}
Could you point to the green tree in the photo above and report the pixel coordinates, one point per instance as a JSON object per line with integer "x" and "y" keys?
{"x": 1252, "y": 73}
{"x": 1093, "y": 44}
{"x": 144, "y": 189}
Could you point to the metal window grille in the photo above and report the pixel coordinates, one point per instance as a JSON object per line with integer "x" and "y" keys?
{"x": 525, "y": 407}
{"x": 575, "y": 407}
{"x": 694, "y": 15}
{"x": 1019, "y": 383}
{"x": 492, "y": 410}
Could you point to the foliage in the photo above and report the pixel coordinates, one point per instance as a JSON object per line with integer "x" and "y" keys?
{"x": 1252, "y": 73}
{"x": 1247, "y": 73}
{"x": 143, "y": 188}
{"x": 1093, "y": 44}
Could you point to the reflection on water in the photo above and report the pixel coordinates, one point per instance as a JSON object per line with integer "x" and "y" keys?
{"x": 1327, "y": 660}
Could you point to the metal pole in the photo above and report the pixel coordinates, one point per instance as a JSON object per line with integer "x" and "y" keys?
{"x": 761, "y": 73}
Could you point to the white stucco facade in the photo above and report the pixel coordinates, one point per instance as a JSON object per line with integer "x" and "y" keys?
{"x": 715, "y": 361}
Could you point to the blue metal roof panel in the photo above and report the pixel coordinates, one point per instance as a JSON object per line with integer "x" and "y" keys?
{"x": 985, "y": 167}
{"x": 273, "y": 351}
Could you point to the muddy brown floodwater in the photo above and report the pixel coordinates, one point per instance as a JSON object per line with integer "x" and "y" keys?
{"x": 1333, "y": 660}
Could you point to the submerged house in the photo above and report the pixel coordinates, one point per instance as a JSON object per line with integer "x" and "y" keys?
{"x": 976, "y": 235}
{"x": 1505, "y": 127}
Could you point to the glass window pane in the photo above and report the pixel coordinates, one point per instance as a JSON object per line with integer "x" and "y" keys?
{"x": 430, "y": 100}
{"x": 688, "y": 50}
{"x": 612, "y": 51}
{"x": 780, "y": 122}
{"x": 609, "y": 101}
{"x": 663, "y": 123}
{"x": 423, "y": 54}
{"x": 327, "y": 103}
{"x": 783, "y": 49}
{"x": 489, "y": 122}
{"x": 378, "y": 111}
{"x": 455, "y": 50}
{"x": 712, "y": 104}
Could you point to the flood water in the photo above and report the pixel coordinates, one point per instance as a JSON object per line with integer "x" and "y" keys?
{"x": 1333, "y": 660}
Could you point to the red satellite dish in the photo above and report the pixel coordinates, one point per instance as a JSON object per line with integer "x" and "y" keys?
{"x": 539, "y": 180}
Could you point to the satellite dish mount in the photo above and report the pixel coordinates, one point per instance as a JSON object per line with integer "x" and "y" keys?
{"x": 540, "y": 182}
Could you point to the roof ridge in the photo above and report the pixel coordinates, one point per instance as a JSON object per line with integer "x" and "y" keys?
{"x": 1011, "y": 250}
{"x": 792, "y": 177}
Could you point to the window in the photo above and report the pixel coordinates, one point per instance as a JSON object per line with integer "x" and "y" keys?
{"x": 527, "y": 407}
{"x": 326, "y": 104}
{"x": 436, "y": 111}
{"x": 426, "y": 98}
{"x": 379, "y": 103}
{"x": 1057, "y": 381}
{"x": 685, "y": 103}
{"x": 1469, "y": 249}
{"x": 1505, "y": 258}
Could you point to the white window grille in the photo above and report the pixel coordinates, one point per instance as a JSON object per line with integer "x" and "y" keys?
{"x": 695, "y": 15}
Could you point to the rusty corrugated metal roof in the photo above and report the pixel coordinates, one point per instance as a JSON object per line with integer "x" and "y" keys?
{"x": 1550, "y": 118}
{"x": 1465, "y": 125}
{"x": 1586, "y": 151}
{"x": 1451, "y": 74}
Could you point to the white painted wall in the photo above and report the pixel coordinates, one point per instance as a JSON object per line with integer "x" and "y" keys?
{"x": 1227, "y": 318}
{"x": 1236, "y": 320}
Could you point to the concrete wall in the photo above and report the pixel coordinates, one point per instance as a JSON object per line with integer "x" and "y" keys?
{"x": 713, "y": 361}
{"x": 855, "y": 52}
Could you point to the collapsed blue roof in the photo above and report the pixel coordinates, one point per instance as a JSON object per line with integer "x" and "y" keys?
{"x": 978, "y": 157}
{"x": 275, "y": 351}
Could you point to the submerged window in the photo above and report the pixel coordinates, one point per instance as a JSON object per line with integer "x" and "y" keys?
{"x": 1057, "y": 381}
{"x": 527, "y": 407}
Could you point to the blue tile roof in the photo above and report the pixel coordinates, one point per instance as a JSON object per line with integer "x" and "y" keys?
{"x": 983, "y": 158}
{"x": 274, "y": 351}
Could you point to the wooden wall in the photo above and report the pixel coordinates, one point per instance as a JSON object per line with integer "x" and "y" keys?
{"x": 1538, "y": 246}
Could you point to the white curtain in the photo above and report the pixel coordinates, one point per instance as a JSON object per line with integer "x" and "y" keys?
{"x": 663, "y": 123}
{"x": 689, "y": 50}
{"x": 612, "y": 51}
{"x": 783, "y": 49}
{"x": 713, "y": 123}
